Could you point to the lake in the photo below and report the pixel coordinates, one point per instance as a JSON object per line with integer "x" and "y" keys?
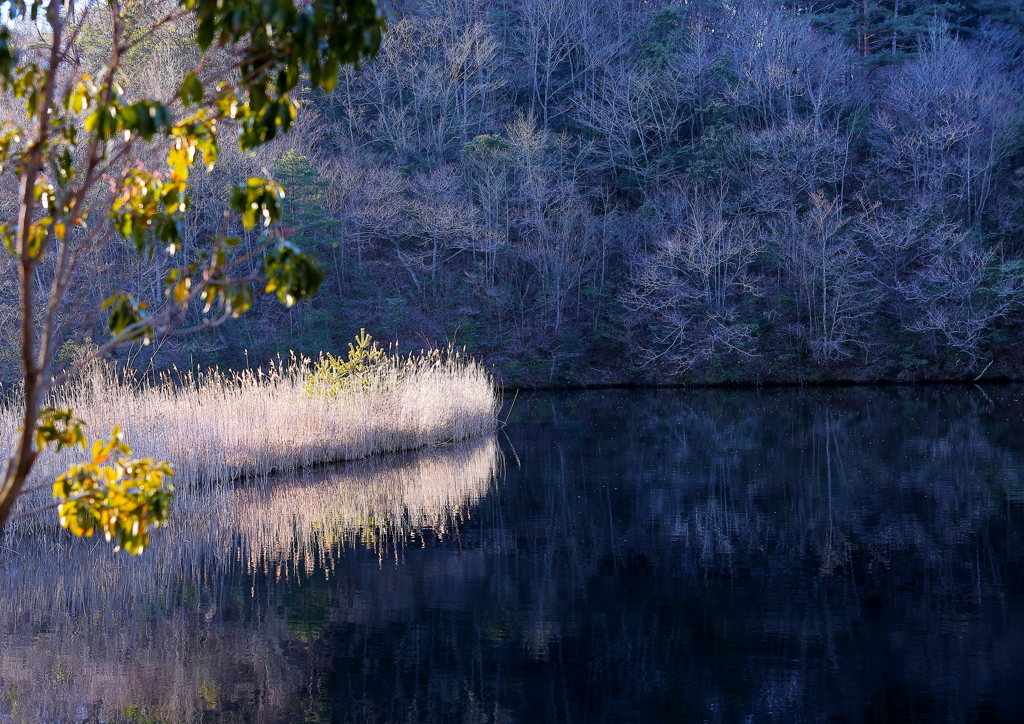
{"x": 777, "y": 555}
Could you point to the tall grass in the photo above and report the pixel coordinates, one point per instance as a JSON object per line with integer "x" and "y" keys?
{"x": 218, "y": 426}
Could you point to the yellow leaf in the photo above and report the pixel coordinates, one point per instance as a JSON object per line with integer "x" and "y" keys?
{"x": 181, "y": 290}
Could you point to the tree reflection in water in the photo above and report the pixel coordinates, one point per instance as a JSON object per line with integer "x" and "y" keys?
{"x": 844, "y": 555}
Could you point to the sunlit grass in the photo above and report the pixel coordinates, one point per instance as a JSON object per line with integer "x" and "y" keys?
{"x": 216, "y": 426}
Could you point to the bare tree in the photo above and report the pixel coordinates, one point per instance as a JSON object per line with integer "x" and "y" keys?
{"x": 946, "y": 122}
{"x": 828, "y": 274}
{"x": 689, "y": 289}
{"x": 550, "y": 37}
{"x": 445, "y": 222}
{"x": 962, "y": 293}
{"x": 554, "y": 228}
{"x": 638, "y": 121}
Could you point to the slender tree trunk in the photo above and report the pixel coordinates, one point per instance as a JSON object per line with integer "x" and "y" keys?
{"x": 34, "y": 366}
{"x": 895, "y": 19}
{"x": 866, "y": 37}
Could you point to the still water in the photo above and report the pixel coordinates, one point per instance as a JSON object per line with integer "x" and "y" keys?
{"x": 839, "y": 555}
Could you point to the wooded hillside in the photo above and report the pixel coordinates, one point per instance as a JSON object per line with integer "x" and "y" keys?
{"x": 603, "y": 191}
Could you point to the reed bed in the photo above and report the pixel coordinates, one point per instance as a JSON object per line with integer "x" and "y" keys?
{"x": 81, "y": 624}
{"x": 83, "y": 627}
{"x": 219, "y": 426}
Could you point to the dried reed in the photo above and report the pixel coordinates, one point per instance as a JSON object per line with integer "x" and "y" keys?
{"x": 218, "y": 426}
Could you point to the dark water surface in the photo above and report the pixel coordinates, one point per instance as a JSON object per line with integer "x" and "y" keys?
{"x": 838, "y": 555}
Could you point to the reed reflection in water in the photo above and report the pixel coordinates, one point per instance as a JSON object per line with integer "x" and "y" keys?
{"x": 196, "y": 624}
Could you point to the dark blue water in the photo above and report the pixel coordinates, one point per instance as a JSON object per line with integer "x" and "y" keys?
{"x": 841, "y": 555}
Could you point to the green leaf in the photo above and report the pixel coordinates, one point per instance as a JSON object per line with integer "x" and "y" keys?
{"x": 8, "y": 57}
{"x": 59, "y": 427}
{"x": 124, "y": 313}
{"x": 181, "y": 288}
{"x": 257, "y": 199}
{"x": 239, "y": 298}
{"x": 64, "y": 164}
{"x": 7, "y": 233}
{"x": 291, "y": 274}
{"x": 191, "y": 91}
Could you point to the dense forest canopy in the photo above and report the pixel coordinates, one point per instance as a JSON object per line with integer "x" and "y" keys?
{"x": 600, "y": 190}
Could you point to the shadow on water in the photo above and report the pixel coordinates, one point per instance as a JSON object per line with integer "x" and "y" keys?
{"x": 837, "y": 555}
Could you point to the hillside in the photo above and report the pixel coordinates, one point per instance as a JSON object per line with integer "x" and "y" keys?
{"x": 586, "y": 191}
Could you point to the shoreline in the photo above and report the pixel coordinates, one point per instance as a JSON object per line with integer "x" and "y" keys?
{"x": 506, "y": 390}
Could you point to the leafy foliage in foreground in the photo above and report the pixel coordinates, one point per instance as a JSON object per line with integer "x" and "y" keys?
{"x": 112, "y": 493}
{"x": 98, "y": 159}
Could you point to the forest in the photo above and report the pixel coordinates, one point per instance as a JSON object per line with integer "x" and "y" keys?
{"x": 603, "y": 191}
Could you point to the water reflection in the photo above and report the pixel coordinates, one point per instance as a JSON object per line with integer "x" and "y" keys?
{"x": 824, "y": 555}
{"x": 196, "y": 626}
{"x": 643, "y": 556}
